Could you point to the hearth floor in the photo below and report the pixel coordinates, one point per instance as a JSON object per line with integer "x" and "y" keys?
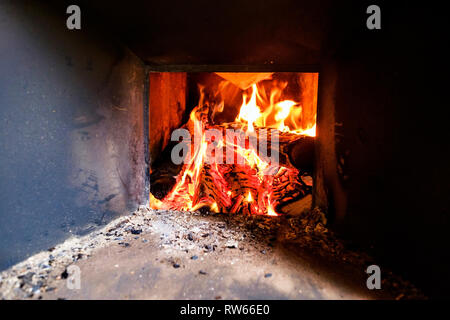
{"x": 184, "y": 255}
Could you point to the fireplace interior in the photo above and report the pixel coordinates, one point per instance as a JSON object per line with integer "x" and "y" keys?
{"x": 240, "y": 121}
{"x": 257, "y": 150}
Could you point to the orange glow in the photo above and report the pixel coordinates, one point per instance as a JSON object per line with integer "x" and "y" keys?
{"x": 271, "y": 211}
{"x": 214, "y": 207}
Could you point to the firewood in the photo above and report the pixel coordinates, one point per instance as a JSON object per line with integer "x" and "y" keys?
{"x": 227, "y": 185}
{"x": 294, "y": 150}
{"x": 237, "y": 204}
{"x": 298, "y": 207}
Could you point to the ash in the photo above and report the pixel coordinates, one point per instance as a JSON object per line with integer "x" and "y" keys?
{"x": 270, "y": 246}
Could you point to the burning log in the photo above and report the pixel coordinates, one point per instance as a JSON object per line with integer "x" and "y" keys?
{"x": 301, "y": 153}
{"x": 294, "y": 150}
{"x": 213, "y": 187}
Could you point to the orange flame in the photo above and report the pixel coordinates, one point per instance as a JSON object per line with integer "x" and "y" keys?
{"x": 274, "y": 115}
{"x": 250, "y": 111}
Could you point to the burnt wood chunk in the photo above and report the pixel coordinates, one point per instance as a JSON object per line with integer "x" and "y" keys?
{"x": 301, "y": 153}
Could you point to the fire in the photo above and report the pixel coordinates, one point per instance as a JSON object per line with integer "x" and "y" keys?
{"x": 212, "y": 184}
{"x": 250, "y": 112}
{"x": 214, "y": 207}
{"x": 271, "y": 211}
{"x": 274, "y": 115}
{"x": 310, "y": 132}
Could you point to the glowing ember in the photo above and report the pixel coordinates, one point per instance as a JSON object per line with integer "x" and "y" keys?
{"x": 214, "y": 207}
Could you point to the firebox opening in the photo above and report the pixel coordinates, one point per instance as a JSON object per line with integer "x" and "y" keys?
{"x": 232, "y": 142}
